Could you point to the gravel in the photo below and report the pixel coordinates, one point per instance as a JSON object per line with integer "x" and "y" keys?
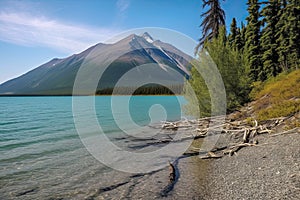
{"x": 269, "y": 171}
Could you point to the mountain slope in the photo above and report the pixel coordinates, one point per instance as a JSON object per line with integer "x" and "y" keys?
{"x": 57, "y": 76}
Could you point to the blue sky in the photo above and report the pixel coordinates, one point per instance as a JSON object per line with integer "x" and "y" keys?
{"x": 34, "y": 32}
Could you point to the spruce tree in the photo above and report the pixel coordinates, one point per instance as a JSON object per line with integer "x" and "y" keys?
{"x": 282, "y": 36}
{"x": 239, "y": 43}
{"x": 294, "y": 30}
{"x": 233, "y": 33}
{"x": 252, "y": 45}
{"x": 214, "y": 18}
{"x": 268, "y": 39}
{"x": 237, "y": 36}
{"x": 289, "y": 34}
{"x": 241, "y": 37}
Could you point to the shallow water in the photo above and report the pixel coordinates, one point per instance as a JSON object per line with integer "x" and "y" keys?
{"x": 42, "y": 156}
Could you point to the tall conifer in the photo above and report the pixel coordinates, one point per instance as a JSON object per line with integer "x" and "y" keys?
{"x": 214, "y": 18}
{"x": 282, "y": 36}
{"x": 268, "y": 38}
{"x": 288, "y": 36}
{"x": 252, "y": 46}
{"x": 233, "y": 33}
{"x": 294, "y": 29}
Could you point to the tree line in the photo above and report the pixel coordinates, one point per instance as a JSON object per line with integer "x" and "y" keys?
{"x": 271, "y": 38}
{"x": 148, "y": 89}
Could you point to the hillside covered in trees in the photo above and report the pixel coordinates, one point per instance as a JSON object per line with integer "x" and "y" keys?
{"x": 249, "y": 54}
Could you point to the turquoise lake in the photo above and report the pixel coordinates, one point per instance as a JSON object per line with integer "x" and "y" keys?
{"x": 41, "y": 154}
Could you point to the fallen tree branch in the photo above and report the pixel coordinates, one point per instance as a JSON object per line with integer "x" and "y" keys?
{"x": 211, "y": 155}
{"x": 286, "y": 132}
{"x": 235, "y": 148}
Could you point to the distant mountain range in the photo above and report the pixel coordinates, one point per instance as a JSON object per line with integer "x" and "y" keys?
{"x": 162, "y": 63}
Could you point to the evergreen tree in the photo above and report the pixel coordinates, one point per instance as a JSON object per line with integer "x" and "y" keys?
{"x": 239, "y": 41}
{"x": 282, "y": 36}
{"x": 233, "y": 33}
{"x": 268, "y": 39}
{"x": 241, "y": 37}
{"x": 289, "y": 34}
{"x": 236, "y": 36}
{"x": 252, "y": 46}
{"x": 243, "y": 32}
{"x": 214, "y": 17}
{"x": 294, "y": 30}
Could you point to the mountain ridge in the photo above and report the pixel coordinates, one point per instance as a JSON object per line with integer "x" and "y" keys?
{"x": 57, "y": 76}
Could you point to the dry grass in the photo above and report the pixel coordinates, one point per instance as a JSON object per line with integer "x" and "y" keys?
{"x": 277, "y": 97}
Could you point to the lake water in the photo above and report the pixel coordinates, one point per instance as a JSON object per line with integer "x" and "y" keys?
{"x": 42, "y": 156}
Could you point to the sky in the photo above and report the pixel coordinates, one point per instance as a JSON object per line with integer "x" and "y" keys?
{"x": 32, "y": 32}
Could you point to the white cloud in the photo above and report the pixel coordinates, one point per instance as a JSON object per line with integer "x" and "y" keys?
{"x": 123, "y": 5}
{"x": 24, "y": 29}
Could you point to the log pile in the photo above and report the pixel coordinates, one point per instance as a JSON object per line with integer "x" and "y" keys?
{"x": 241, "y": 133}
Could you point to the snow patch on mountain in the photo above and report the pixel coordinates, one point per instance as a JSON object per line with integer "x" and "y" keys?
{"x": 148, "y": 37}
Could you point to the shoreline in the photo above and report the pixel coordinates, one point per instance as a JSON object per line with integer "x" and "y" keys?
{"x": 89, "y": 95}
{"x": 268, "y": 170}
{"x": 265, "y": 171}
